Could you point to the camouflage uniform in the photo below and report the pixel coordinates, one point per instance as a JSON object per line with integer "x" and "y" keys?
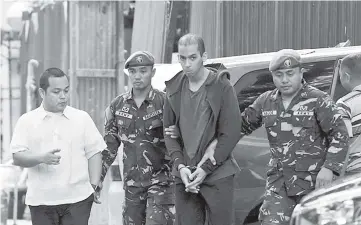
{"x": 350, "y": 109}
{"x": 148, "y": 183}
{"x": 303, "y": 138}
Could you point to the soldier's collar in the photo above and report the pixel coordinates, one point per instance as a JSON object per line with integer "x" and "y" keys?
{"x": 149, "y": 98}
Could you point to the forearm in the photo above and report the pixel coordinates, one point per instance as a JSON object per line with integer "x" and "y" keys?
{"x": 108, "y": 156}
{"x": 223, "y": 150}
{"x": 174, "y": 150}
{"x": 27, "y": 159}
{"x": 95, "y": 168}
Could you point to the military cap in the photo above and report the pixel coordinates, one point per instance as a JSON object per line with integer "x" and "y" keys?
{"x": 285, "y": 59}
{"x": 139, "y": 58}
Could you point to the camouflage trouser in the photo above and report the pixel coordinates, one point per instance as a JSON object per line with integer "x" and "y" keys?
{"x": 153, "y": 205}
{"x": 277, "y": 208}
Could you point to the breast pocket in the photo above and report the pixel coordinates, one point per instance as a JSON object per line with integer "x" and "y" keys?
{"x": 154, "y": 129}
{"x": 270, "y": 123}
{"x": 304, "y": 127}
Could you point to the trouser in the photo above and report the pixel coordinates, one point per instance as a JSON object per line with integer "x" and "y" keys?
{"x": 153, "y": 205}
{"x": 66, "y": 214}
{"x": 277, "y": 208}
{"x": 213, "y": 205}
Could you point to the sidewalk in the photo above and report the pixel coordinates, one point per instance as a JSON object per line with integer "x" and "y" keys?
{"x": 19, "y": 222}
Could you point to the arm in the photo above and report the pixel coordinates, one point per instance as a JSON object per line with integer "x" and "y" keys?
{"x": 112, "y": 141}
{"x": 94, "y": 144}
{"x": 229, "y": 123}
{"x": 333, "y": 125}
{"x": 19, "y": 146}
{"x": 345, "y": 111}
{"x": 95, "y": 168}
{"x": 248, "y": 121}
{"x": 27, "y": 159}
{"x": 173, "y": 145}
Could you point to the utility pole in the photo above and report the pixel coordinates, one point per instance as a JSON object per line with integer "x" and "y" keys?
{"x": 10, "y": 84}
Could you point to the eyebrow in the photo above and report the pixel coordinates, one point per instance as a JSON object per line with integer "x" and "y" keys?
{"x": 61, "y": 89}
{"x": 188, "y": 56}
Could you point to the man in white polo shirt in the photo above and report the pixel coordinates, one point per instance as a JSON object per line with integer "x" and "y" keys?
{"x": 61, "y": 147}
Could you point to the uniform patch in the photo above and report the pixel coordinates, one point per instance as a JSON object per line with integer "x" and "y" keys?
{"x": 125, "y": 109}
{"x": 123, "y": 114}
{"x": 269, "y": 113}
{"x": 152, "y": 114}
{"x": 303, "y": 113}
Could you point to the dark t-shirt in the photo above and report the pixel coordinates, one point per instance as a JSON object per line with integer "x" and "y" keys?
{"x": 195, "y": 113}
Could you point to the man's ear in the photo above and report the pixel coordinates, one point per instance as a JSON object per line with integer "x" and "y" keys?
{"x": 347, "y": 77}
{"x": 204, "y": 56}
{"x": 153, "y": 71}
{"x": 42, "y": 93}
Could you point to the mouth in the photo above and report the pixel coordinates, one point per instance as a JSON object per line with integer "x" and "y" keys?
{"x": 286, "y": 87}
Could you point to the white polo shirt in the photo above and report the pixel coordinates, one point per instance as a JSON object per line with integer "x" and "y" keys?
{"x": 72, "y": 131}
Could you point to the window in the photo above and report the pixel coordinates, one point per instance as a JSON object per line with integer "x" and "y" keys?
{"x": 253, "y": 84}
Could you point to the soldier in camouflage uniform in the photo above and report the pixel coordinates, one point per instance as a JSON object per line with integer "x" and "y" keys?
{"x": 136, "y": 119}
{"x": 349, "y": 106}
{"x": 307, "y": 136}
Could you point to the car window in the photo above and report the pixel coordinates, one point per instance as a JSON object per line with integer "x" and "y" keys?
{"x": 340, "y": 91}
{"x": 253, "y": 84}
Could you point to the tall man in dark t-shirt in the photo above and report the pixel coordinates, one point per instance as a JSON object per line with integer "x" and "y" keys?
{"x": 201, "y": 102}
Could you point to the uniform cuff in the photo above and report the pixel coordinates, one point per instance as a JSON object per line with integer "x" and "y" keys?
{"x": 335, "y": 167}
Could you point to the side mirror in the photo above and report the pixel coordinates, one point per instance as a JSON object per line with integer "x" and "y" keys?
{"x": 343, "y": 44}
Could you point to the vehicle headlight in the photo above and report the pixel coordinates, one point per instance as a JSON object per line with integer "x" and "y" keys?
{"x": 329, "y": 212}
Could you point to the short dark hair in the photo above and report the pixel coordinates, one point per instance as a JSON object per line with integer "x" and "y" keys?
{"x": 352, "y": 64}
{"x": 51, "y": 72}
{"x": 191, "y": 39}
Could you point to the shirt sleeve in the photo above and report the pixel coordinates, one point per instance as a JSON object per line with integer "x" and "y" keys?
{"x": 228, "y": 129}
{"x": 19, "y": 141}
{"x": 94, "y": 142}
{"x": 331, "y": 122}
{"x": 252, "y": 116}
{"x": 111, "y": 138}
{"x": 345, "y": 110}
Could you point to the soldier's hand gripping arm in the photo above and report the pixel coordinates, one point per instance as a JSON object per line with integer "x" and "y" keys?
{"x": 332, "y": 124}
{"x": 250, "y": 120}
{"x": 112, "y": 140}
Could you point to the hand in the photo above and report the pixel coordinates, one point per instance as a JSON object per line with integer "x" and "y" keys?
{"x": 185, "y": 172}
{"x": 197, "y": 177}
{"x": 209, "y": 154}
{"x": 324, "y": 177}
{"x": 172, "y": 131}
{"x": 96, "y": 194}
{"x": 51, "y": 158}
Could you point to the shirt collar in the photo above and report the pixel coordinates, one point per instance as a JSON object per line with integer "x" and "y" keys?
{"x": 357, "y": 88}
{"x": 43, "y": 113}
{"x": 149, "y": 98}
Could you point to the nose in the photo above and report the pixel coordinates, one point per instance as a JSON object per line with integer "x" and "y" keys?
{"x": 284, "y": 79}
{"x": 62, "y": 95}
{"x": 187, "y": 63}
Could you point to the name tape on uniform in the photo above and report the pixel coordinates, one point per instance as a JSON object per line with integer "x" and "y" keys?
{"x": 269, "y": 113}
{"x": 123, "y": 114}
{"x": 303, "y": 113}
{"x": 152, "y": 114}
